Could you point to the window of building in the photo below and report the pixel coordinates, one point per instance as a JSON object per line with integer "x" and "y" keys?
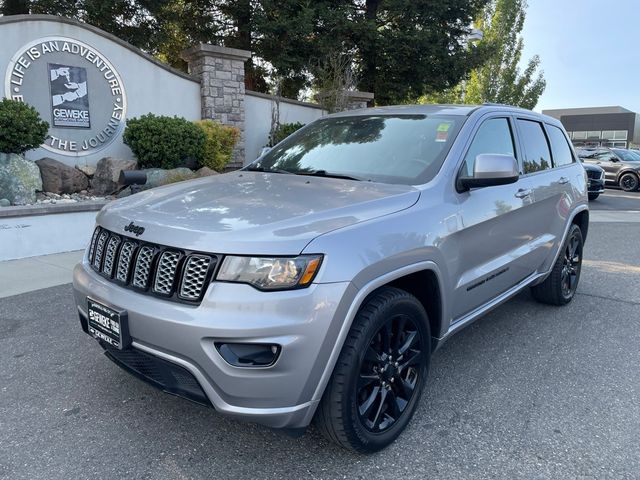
{"x": 570, "y": 135}
{"x": 620, "y": 134}
{"x": 493, "y": 136}
{"x": 559, "y": 146}
{"x": 593, "y": 134}
{"x": 579, "y": 135}
{"x": 612, "y": 144}
{"x": 537, "y": 156}
{"x": 614, "y": 134}
{"x": 608, "y": 134}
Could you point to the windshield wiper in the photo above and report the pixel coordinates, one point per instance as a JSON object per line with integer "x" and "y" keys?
{"x": 265, "y": 170}
{"x": 324, "y": 173}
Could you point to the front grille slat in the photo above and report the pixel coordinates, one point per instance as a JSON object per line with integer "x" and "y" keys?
{"x": 92, "y": 245}
{"x": 100, "y": 244}
{"x": 110, "y": 255}
{"x": 194, "y": 276}
{"x": 124, "y": 261}
{"x": 143, "y": 267}
{"x": 166, "y": 272}
{"x": 178, "y": 275}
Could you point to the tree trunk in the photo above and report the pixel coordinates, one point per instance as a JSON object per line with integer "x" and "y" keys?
{"x": 241, "y": 15}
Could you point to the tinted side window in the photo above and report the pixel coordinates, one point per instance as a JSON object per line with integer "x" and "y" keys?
{"x": 605, "y": 156}
{"x": 493, "y": 136}
{"x": 536, "y": 149}
{"x": 559, "y": 146}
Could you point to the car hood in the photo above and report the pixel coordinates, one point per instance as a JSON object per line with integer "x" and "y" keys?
{"x": 252, "y": 212}
{"x": 592, "y": 167}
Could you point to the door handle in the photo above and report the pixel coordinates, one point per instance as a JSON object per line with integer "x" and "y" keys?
{"x": 523, "y": 193}
{"x": 563, "y": 180}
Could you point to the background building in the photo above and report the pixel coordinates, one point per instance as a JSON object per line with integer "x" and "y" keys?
{"x": 600, "y": 126}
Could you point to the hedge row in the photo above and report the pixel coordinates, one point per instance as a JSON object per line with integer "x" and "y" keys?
{"x": 170, "y": 142}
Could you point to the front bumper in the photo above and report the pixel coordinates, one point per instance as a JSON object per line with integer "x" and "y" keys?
{"x": 305, "y": 323}
{"x": 595, "y": 186}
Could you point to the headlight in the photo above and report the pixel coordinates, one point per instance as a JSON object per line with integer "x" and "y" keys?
{"x": 270, "y": 273}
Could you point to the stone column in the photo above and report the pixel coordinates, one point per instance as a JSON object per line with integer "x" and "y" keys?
{"x": 221, "y": 73}
{"x": 345, "y": 99}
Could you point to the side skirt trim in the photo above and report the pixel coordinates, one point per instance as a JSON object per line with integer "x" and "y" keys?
{"x": 480, "y": 311}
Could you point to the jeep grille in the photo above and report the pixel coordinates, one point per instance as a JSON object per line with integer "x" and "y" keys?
{"x": 175, "y": 274}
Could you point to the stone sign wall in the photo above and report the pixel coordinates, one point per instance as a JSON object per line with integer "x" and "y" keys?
{"x": 86, "y": 83}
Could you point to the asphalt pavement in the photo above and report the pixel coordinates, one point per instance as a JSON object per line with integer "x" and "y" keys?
{"x": 529, "y": 391}
{"x": 616, "y": 199}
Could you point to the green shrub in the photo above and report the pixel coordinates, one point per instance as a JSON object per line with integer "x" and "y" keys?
{"x": 282, "y": 131}
{"x": 164, "y": 142}
{"x": 21, "y": 127}
{"x": 218, "y": 145}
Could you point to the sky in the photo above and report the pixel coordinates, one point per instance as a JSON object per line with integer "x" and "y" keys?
{"x": 589, "y": 51}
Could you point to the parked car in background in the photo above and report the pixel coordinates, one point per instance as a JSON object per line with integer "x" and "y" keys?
{"x": 627, "y": 155}
{"x": 316, "y": 282}
{"x": 595, "y": 176}
{"x": 617, "y": 171}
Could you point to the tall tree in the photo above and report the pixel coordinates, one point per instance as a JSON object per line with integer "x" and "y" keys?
{"x": 500, "y": 79}
{"x": 411, "y": 47}
{"x": 398, "y": 49}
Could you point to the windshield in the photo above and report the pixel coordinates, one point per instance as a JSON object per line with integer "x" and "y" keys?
{"x": 627, "y": 155}
{"x": 407, "y": 149}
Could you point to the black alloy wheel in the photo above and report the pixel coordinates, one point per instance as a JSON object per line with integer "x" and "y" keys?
{"x": 572, "y": 262}
{"x": 380, "y": 374}
{"x": 389, "y": 373}
{"x": 629, "y": 182}
{"x": 560, "y": 286}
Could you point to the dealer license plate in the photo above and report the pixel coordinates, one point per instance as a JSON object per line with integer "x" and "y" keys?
{"x": 106, "y": 324}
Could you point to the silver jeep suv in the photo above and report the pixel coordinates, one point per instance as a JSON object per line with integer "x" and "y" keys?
{"x": 316, "y": 283}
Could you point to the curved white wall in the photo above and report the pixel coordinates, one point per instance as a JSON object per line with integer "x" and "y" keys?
{"x": 258, "y": 119}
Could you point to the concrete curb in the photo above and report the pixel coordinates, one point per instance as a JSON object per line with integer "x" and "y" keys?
{"x": 49, "y": 208}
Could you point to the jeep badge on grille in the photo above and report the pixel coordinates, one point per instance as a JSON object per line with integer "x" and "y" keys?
{"x": 135, "y": 229}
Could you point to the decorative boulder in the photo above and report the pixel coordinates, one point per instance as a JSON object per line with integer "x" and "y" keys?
{"x": 88, "y": 170}
{"x": 157, "y": 177}
{"x": 105, "y": 180}
{"x": 205, "y": 172}
{"x": 19, "y": 179}
{"x": 60, "y": 178}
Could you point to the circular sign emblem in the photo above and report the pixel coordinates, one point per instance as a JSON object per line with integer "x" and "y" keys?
{"x": 75, "y": 88}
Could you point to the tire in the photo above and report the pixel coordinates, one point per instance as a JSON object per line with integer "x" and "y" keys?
{"x": 629, "y": 182}
{"x": 560, "y": 286}
{"x": 355, "y": 412}
{"x": 593, "y": 196}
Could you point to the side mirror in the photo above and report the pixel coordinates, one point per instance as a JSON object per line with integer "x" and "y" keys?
{"x": 491, "y": 169}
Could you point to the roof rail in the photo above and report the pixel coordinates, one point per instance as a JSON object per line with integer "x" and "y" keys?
{"x": 495, "y": 104}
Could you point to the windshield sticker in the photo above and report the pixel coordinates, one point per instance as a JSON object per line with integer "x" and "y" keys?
{"x": 442, "y": 132}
